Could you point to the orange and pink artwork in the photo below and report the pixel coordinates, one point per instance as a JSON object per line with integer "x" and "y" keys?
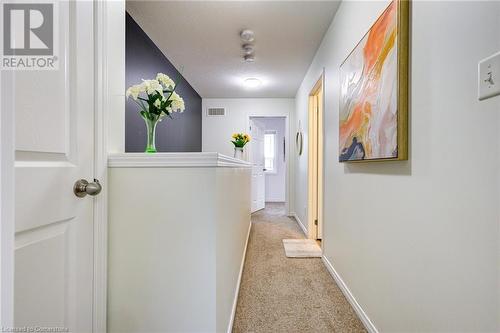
{"x": 369, "y": 94}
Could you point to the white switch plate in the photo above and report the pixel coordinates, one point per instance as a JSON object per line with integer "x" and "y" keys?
{"x": 489, "y": 77}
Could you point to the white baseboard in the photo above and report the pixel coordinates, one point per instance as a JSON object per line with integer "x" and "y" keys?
{"x": 301, "y": 225}
{"x": 237, "y": 289}
{"x": 347, "y": 293}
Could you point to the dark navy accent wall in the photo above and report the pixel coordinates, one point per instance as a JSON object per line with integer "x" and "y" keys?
{"x": 143, "y": 61}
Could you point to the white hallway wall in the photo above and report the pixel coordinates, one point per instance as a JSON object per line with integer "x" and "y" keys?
{"x": 417, "y": 242}
{"x": 217, "y": 131}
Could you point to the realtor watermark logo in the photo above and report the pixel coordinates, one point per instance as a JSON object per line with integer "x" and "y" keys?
{"x": 29, "y": 35}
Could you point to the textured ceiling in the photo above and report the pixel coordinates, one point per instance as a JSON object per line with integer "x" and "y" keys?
{"x": 203, "y": 38}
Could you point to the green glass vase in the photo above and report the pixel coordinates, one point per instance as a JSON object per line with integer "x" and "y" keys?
{"x": 151, "y": 132}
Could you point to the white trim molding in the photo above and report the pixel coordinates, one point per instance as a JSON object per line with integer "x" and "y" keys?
{"x": 237, "y": 289}
{"x": 174, "y": 160}
{"x": 7, "y": 185}
{"x": 299, "y": 222}
{"x": 99, "y": 300}
{"x": 109, "y": 43}
{"x": 350, "y": 297}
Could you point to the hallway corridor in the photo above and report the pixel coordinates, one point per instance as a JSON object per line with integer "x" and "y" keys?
{"x": 280, "y": 294}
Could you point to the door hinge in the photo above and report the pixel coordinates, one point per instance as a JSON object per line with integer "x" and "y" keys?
{"x": 315, "y": 222}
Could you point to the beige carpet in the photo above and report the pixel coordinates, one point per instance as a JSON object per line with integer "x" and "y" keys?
{"x": 301, "y": 248}
{"x": 280, "y": 294}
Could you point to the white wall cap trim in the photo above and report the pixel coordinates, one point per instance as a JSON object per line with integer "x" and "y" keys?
{"x": 174, "y": 160}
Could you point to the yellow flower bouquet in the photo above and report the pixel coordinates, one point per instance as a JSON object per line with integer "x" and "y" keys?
{"x": 240, "y": 139}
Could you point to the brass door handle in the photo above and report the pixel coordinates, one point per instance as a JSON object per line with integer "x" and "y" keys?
{"x": 83, "y": 187}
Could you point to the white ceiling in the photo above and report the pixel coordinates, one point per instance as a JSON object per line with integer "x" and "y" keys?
{"x": 203, "y": 37}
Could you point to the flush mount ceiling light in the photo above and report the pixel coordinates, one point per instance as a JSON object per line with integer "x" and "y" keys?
{"x": 252, "y": 82}
{"x": 247, "y": 35}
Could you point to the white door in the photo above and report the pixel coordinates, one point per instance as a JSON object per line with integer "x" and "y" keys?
{"x": 54, "y": 112}
{"x": 257, "y": 158}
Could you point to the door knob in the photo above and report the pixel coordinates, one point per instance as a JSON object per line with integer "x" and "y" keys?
{"x": 83, "y": 187}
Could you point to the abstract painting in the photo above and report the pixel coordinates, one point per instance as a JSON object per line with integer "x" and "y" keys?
{"x": 374, "y": 91}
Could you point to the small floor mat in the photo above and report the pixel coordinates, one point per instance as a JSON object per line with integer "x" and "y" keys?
{"x": 301, "y": 248}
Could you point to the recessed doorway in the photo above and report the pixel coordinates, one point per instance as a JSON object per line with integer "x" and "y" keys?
{"x": 315, "y": 161}
{"x": 268, "y": 154}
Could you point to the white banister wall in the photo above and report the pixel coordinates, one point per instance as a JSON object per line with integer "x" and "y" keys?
{"x": 178, "y": 225}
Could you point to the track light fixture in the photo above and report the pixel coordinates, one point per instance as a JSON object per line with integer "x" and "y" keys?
{"x": 248, "y": 48}
{"x": 247, "y": 35}
{"x": 249, "y": 58}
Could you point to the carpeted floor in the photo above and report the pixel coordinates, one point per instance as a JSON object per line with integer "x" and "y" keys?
{"x": 280, "y": 294}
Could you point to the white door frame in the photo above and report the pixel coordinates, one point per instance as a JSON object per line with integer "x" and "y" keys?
{"x": 100, "y": 169}
{"x": 7, "y": 138}
{"x": 7, "y": 228}
{"x": 287, "y": 152}
{"x": 109, "y": 32}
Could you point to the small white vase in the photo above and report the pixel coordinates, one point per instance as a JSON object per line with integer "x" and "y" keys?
{"x": 238, "y": 153}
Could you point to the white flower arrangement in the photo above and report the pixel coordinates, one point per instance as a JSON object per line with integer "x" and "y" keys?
{"x": 160, "y": 98}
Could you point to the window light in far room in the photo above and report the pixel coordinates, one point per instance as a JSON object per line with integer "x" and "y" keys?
{"x": 270, "y": 152}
